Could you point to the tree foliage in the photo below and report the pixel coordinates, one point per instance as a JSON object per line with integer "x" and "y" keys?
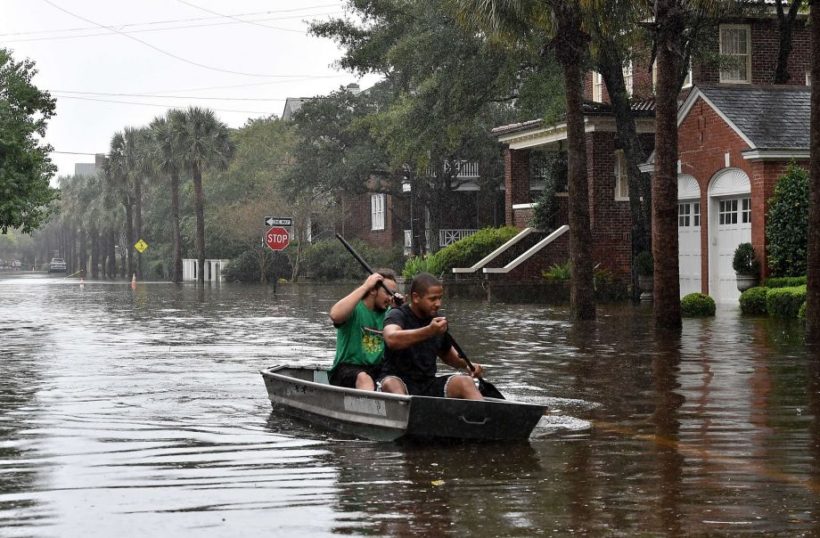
{"x": 787, "y": 224}
{"x": 25, "y": 167}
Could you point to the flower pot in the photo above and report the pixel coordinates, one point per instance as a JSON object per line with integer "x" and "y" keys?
{"x": 646, "y": 283}
{"x": 744, "y": 281}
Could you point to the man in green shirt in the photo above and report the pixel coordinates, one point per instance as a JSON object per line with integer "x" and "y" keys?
{"x": 359, "y": 321}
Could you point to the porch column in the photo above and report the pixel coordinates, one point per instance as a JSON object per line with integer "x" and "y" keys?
{"x": 516, "y": 181}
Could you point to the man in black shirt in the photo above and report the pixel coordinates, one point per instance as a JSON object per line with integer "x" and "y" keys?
{"x": 414, "y": 336}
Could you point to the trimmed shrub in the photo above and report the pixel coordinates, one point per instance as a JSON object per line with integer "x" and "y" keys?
{"x": 753, "y": 301}
{"x": 801, "y": 314}
{"x": 744, "y": 261}
{"x": 245, "y": 267}
{"x": 697, "y": 305}
{"x": 785, "y": 282}
{"x": 785, "y": 302}
{"x": 787, "y": 223}
{"x": 462, "y": 253}
{"x": 644, "y": 263}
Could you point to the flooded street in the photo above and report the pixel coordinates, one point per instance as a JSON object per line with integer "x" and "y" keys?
{"x": 142, "y": 413}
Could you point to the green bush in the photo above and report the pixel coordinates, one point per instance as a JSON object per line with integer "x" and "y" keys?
{"x": 330, "y": 260}
{"x": 415, "y": 265}
{"x": 245, "y": 267}
{"x": 697, "y": 305}
{"x": 785, "y": 282}
{"x": 559, "y": 271}
{"x": 785, "y": 302}
{"x": 744, "y": 261}
{"x": 787, "y": 223}
{"x": 753, "y": 301}
{"x": 462, "y": 253}
{"x": 551, "y": 168}
{"x": 644, "y": 263}
{"x": 801, "y": 314}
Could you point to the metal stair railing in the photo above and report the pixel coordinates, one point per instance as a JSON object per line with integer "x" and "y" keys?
{"x": 529, "y": 253}
{"x": 494, "y": 254}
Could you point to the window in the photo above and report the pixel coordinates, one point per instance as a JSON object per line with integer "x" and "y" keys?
{"x": 628, "y": 77}
{"x": 621, "y": 176}
{"x": 735, "y": 45}
{"x": 684, "y": 215}
{"x": 377, "y": 211}
{"x": 746, "y": 210}
{"x": 808, "y": 78}
{"x": 696, "y": 214}
{"x": 597, "y": 87}
{"x": 728, "y": 212}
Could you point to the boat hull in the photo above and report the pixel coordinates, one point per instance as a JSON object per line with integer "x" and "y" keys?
{"x": 305, "y": 393}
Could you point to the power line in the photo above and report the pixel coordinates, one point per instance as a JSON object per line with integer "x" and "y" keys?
{"x": 225, "y": 16}
{"x": 57, "y": 92}
{"x": 188, "y": 19}
{"x": 161, "y": 105}
{"x": 161, "y": 51}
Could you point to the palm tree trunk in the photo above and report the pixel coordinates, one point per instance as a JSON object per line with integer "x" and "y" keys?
{"x": 95, "y": 252}
{"x": 665, "y": 185}
{"x": 129, "y": 238}
{"x": 570, "y": 45}
{"x": 176, "y": 273}
{"x": 138, "y": 221}
{"x": 112, "y": 254}
{"x": 813, "y": 279}
{"x": 82, "y": 256}
{"x": 199, "y": 204}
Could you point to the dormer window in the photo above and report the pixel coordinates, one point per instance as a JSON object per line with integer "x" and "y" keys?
{"x": 735, "y": 45}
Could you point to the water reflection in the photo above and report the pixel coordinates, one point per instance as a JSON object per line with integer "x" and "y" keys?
{"x": 143, "y": 409}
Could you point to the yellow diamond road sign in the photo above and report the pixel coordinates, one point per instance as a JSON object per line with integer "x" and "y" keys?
{"x": 141, "y": 246}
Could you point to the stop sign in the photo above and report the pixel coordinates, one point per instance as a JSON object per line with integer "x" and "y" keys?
{"x": 277, "y": 238}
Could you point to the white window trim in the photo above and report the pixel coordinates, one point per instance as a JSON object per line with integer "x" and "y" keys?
{"x": 748, "y": 29}
{"x": 377, "y": 203}
{"x": 621, "y": 174}
{"x": 629, "y": 81}
{"x": 597, "y": 87}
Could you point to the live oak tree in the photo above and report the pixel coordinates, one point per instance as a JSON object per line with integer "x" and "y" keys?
{"x": 813, "y": 280}
{"x": 25, "y": 167}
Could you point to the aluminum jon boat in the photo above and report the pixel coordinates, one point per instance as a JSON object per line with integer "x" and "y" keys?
{"x": 305, "y": 392}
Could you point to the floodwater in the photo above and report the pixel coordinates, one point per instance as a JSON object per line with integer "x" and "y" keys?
{"x": 142, "y": 413}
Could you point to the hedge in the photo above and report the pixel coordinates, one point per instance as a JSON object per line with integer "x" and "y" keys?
{"x": 785, "y": 302}
{"x": 785, "y": 282}
{"x": 463, "y": 253}
{"x": 697, "y": 305}
{"x": 753, "y": 301}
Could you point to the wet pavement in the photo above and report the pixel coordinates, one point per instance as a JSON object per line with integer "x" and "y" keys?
{"x": 142, "y": 413}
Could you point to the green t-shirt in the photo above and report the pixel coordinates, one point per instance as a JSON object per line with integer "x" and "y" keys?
{"x": 359, "y": 340}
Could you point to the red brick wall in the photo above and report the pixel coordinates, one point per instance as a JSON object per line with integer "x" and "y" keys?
{"x": 356, "y": 221}
{"x": 765, "y": 44}
{"x": 516, "y": 181}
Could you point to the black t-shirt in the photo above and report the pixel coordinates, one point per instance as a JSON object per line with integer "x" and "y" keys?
{"x": 416, "y": 363}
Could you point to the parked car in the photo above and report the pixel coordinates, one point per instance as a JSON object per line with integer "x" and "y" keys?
{"x": 57, "y": 265}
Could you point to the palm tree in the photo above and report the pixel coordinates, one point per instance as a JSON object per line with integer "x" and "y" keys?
{"x": 561, "y": 20}
{"x": 167, "y": 159}
{"x": 204, "y": 143}
{"x": 116, "y": 175}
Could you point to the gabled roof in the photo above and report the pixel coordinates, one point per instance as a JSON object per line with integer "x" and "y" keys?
{"x": 766, "y": 117}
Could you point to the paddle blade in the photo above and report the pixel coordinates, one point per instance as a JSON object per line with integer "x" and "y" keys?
{"x": 488, "y": 390}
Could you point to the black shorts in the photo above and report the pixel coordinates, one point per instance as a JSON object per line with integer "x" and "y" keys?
{"x": 435, "y": 386}
{"x": 345, "y": 374}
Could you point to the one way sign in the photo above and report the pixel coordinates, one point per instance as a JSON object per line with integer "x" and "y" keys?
{"x": 278, "y": 221}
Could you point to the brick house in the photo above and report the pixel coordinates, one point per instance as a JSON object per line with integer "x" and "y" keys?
{"x": 737, "y": 134}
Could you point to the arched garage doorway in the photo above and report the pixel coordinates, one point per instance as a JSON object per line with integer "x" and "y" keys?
{"x": 689, "y": 216}
{"x": 730, "y": 223}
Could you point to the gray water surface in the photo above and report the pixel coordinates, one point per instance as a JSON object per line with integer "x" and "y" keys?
{"x": 142, "y": 413}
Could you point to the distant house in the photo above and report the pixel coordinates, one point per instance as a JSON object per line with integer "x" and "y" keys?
{"x": 737, "y": 134}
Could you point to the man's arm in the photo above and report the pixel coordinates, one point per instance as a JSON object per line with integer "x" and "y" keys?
{"x": 341, "y": 311}
{"x": 451, "y": 358}
{"x": 397, "y": 338}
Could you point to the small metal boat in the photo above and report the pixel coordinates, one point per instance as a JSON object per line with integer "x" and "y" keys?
{"x": 306, "y": 393}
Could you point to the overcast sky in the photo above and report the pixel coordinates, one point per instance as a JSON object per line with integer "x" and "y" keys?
{"x": 112, "y": 64}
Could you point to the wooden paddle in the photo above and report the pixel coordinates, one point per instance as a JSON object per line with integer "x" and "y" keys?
{"x": 484, "y": 387}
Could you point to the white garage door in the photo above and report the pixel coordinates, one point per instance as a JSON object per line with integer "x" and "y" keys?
{"x": 731, "y": 224}
{"x": 689, "y": 234}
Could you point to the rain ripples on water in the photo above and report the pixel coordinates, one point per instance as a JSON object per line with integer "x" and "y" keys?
{"x": 141, "y": 412}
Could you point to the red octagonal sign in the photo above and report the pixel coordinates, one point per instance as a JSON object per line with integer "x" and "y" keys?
{"x": 277, "y": 238}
